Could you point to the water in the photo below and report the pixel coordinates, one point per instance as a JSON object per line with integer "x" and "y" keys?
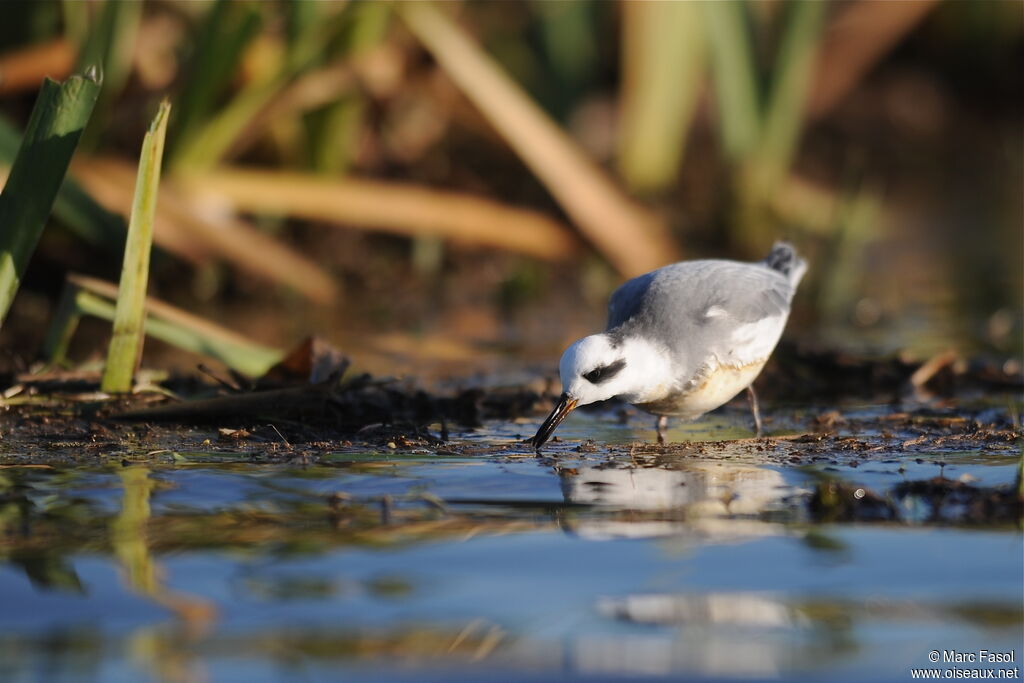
{"x": 597, "y": 565}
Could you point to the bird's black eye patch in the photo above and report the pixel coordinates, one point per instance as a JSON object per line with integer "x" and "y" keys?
{"x": 605, "y": 372}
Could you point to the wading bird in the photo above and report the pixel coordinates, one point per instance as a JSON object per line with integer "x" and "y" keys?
{"x": 683, "y": 339}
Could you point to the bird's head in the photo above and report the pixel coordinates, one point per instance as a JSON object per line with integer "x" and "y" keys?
{"x": 593, "y": 369}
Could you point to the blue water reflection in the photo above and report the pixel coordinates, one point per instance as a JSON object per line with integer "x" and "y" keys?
{"x": 594, "y": 568}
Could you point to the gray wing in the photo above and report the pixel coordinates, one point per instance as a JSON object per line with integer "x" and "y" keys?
{"x": 629, "y": 299}
{"x": 706, "y": 303}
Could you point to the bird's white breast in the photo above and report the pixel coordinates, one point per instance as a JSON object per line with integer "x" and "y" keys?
{"x": 714, "y": 387}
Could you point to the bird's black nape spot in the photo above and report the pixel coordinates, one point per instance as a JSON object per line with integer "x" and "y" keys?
{"x": 605, "y": 372}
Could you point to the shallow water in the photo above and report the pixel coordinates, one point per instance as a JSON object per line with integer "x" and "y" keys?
{"x": 416, "y": 566}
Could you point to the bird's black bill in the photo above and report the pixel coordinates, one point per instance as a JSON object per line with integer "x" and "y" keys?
{"x": 564, "y": 407}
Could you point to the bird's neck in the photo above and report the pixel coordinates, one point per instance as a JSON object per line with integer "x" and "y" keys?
{"x": 651, "y": 375}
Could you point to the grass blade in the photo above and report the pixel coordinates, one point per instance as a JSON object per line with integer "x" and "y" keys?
{"x": 663, "y": 67}
{"x": 126, "y": 344}
{"x": 334, "y": 130}
{"x": 74, "y": 16}
{"x": 735, "y": 84}
{"x": 206, "y": 145}
{"x": 109, "y": 44}
{"x": 58, "y": 118}
{"x": 626, "y": 234}
{"x": 209, "y": 143}
{"x": 313, "y": 90}
{"x": 227, "y": 28}
{"x": 164, "y": 322}
{"x": 110, "y": 41}
{"x": 63, "y": 324}
{"x": 569, "y": 53}
{"x": 74, "y": 207}
{"x": 857, "y": 223}
{"x": 784, "y": 116}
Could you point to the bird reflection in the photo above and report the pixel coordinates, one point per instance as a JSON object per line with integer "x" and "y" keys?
{"x": 677, "y": 498}
{"x": 717, "y": 634}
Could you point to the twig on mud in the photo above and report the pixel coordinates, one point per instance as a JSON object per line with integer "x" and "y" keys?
{"x": 274, "y": 427}
{"x": 234, "y": 388}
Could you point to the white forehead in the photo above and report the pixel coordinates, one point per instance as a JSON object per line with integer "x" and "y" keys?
{"x": 586, "y": 354}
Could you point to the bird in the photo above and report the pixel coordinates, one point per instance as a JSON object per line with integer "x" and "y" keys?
{"x": 683, "y": 339}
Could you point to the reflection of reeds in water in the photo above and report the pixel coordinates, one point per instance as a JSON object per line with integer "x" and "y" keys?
{"x": 162, "y": 650}
{"x": 128, "y": 530}
{"x": 673, "y": 628}
{"x": 130, "y": 539}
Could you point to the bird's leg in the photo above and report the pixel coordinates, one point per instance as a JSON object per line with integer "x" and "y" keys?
{"x": 755, "y": 410}
{"x": 661, "y": 427}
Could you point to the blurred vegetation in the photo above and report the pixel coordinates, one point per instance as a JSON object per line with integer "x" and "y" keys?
{"x": 497, "y": 168}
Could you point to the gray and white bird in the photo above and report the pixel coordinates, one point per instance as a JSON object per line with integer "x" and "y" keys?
{"x": 683, "y": 339}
